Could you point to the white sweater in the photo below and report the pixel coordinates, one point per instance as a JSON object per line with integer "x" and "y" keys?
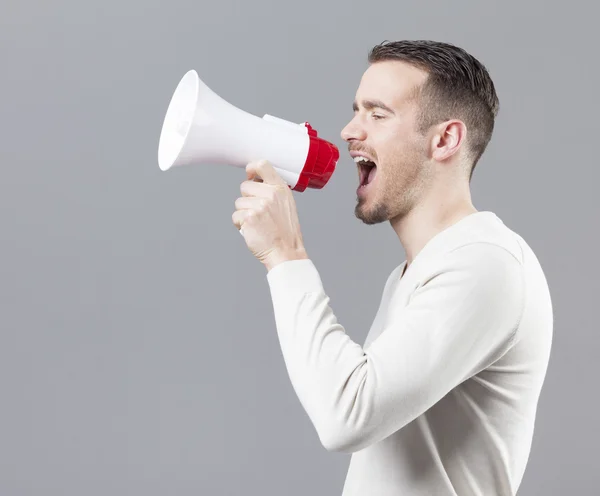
{"x": 441, "y": 399}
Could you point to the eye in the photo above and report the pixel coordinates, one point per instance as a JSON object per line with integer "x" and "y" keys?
{"x": 377, "y": 117}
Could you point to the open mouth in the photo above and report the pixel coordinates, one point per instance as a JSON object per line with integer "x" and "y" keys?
{"x": 366, "y": 169}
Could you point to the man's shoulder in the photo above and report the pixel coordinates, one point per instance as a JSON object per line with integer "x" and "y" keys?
{"x": 473, "y": 259}
{"x": 486, "y": 238}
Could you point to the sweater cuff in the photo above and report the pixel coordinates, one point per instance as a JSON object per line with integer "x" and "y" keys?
{"x": 294, "y": 277}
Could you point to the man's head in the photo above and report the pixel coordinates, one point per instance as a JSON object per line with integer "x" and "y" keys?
{"x": 424, "y": 112}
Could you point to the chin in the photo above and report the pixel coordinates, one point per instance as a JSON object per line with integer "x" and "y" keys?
{"x": 370, "y": 215}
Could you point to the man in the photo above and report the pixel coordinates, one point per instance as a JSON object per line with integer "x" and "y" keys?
{"x": 441, "y": 399}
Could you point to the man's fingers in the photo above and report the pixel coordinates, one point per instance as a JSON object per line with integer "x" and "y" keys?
{"x": 265, "y": 171}
{"x": 247, "y": 206}
{"x": 254, "y": 188}
{"x": 239, "y": 217}
{"x": 249, "y": 203}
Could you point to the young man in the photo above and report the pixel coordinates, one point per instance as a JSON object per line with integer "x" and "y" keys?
{"x": 441, "y": 399}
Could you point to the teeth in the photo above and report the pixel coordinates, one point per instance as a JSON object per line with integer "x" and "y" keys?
{"x": 360, "y": 159}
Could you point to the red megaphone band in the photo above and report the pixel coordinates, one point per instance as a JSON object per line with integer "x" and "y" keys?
{"x": 320, "y": 162}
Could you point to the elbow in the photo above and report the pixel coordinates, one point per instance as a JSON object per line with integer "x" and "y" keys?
{"x": 339, "y": 446}
{"x": 336, "y": 444}
{"x": 343, "y": 440}
{"x": 335, "y": 436}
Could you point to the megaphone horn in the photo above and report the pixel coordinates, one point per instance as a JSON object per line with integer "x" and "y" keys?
{"x": 201, "y": 127}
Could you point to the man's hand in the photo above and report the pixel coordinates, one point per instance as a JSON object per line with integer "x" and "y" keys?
{"x": 267, "y": 218}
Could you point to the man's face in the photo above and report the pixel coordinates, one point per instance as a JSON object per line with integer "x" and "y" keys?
{"x": 389, "y": 137}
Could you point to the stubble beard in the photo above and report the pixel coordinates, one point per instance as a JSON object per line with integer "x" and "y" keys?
{"x": 376, "y": 214}
{"x": 394, "y": 197}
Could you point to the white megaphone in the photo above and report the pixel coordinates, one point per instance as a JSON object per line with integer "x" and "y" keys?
{"x": 201, "y": 127}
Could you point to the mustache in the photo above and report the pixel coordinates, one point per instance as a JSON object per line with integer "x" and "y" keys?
{"x": 361, "y": 150}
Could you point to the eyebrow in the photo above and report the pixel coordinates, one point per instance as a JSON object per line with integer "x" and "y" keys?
{"x": 371, "y": 104}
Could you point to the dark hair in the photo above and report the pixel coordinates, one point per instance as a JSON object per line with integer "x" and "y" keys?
{"x": 458, "y": 86}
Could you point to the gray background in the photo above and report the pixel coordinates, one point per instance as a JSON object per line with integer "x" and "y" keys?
{"x": 138, "y": 353}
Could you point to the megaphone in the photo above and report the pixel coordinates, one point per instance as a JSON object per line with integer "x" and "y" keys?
{"x": 201, "y": 127}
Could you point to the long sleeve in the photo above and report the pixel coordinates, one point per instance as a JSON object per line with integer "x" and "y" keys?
{"x": 462, "y": 316}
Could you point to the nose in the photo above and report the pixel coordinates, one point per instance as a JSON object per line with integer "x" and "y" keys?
{"x": 352, "y": 131}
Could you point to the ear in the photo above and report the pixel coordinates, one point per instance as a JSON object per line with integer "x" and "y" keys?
{"x": 448, "y": 139}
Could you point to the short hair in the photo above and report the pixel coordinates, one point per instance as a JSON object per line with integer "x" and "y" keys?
{"x": 458, "y": 86}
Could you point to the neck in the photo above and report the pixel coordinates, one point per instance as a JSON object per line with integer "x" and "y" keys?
{"x": 446, "y": 202}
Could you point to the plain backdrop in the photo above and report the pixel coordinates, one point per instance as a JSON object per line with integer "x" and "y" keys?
{"x": 138, "y": 353}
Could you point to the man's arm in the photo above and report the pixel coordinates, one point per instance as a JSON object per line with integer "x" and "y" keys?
{"x": 462, "y": 319}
